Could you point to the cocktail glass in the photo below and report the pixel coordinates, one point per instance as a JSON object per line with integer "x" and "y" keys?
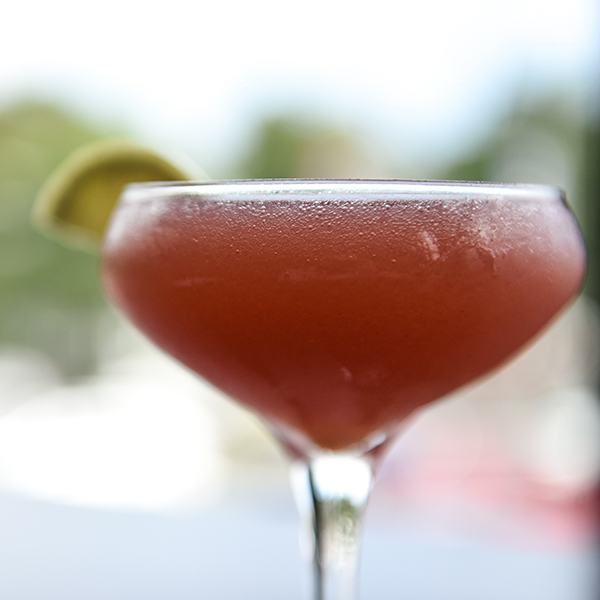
{"x": 335, "y": 309}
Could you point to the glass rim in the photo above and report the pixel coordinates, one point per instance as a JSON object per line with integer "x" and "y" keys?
{"x": 405, "y": 189}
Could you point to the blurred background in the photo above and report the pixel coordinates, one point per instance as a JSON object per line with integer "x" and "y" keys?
{"x": 124, "y": 477}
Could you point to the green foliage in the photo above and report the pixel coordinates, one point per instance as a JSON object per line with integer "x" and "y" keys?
{"x": 523, "y": 137}
{"x": 41, "y": 282}
{"x": 305, "y": 147}
{"x": 591, "y": 196}
{"x": 277, "y": 151}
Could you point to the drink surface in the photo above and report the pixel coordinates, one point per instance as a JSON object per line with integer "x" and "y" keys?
{"x": 336, "y": 316}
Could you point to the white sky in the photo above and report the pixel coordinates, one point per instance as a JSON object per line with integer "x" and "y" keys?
{"x": 422, "y": 75}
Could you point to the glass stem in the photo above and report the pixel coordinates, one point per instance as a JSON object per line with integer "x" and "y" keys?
{"x": 332, "y": 492}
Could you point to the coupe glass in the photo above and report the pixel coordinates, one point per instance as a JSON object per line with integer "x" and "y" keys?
{"x": 335, "y": 309}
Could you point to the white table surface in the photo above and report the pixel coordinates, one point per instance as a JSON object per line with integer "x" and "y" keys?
{"x": 248, "y": 548}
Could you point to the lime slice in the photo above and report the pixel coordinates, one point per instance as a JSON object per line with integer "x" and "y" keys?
{"x": 75, "y": 204}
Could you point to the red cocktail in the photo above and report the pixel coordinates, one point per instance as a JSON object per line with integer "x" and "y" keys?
{"x": 334, "y": 309}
